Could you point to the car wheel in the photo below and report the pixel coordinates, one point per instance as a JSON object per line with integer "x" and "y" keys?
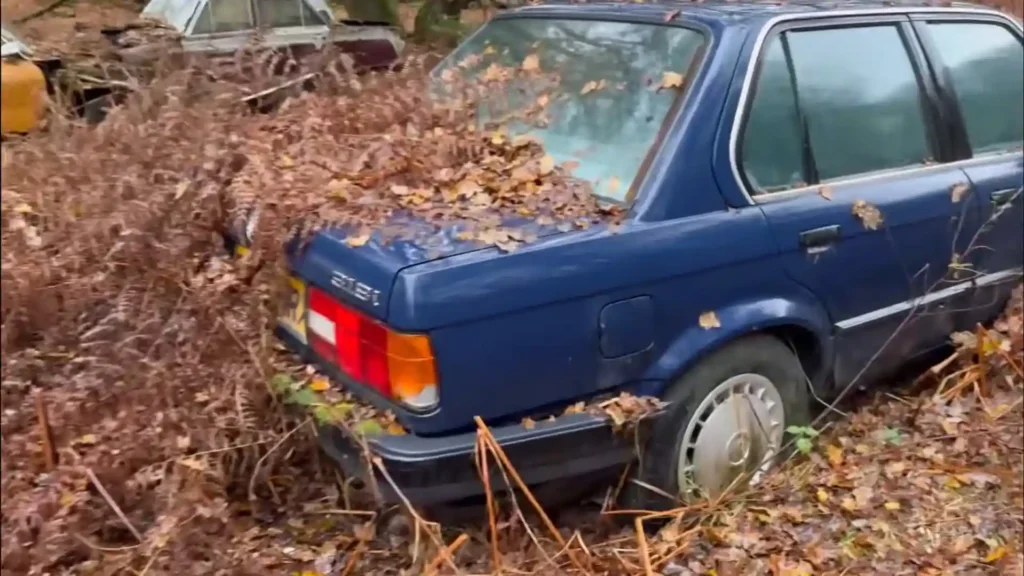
{"x": 725, "y": 424}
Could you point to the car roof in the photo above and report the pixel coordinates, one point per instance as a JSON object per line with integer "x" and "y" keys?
{"x": 178, "y": 13}
{"x": 727, "y": 10}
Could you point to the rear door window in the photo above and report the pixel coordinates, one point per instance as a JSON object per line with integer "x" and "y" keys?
{"x": 857, "y": 99}
{"x": 772, "y": 145}
{"x": 985, "y": 62}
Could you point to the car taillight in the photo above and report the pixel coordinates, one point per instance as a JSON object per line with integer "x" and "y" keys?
{"x": 398, "y": 366}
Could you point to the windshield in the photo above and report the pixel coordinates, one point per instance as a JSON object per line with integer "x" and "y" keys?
{"x": 616, "y": 82}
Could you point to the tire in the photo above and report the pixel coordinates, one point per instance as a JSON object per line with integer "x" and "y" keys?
{"x": 745, "y": 363}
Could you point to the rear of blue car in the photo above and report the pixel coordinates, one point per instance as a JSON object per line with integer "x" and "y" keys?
{"x": 385, "y": 320}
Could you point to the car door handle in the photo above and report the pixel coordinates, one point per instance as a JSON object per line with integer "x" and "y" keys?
{"x": 819, "y": 237}
{"x": 1001, "y": 197}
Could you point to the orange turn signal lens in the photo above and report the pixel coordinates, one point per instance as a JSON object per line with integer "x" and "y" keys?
{"x": 411, "y": 370}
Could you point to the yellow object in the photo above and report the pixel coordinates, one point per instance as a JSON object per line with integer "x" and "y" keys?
{"x": 295, "y": 321}
{"x": 23, "y": 95}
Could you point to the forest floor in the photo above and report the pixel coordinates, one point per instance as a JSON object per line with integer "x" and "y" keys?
{"x": 141, "y": 434}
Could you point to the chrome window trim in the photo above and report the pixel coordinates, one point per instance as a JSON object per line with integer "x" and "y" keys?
{"x": 838, "y": 184}
{"x": 936, "y": 296}
{"x": 745, "y": 93}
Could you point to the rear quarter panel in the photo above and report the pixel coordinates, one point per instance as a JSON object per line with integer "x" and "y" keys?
{"x": 518, "y": 333}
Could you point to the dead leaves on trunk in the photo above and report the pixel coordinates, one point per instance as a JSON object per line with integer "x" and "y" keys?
{"x": 389, "y": 153}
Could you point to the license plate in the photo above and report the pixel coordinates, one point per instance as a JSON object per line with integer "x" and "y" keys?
{"x": 295, "y": 316}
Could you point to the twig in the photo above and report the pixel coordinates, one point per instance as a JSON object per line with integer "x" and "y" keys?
{"x": 420, "y": 522}
{"x": 496, "y": 448}
{"x": 252, "y": 355}
{"x": 485, "y": 475}
{"x": 519, "y": 514}
{"x": 1006, "y": 411}
{"x": 941, "y": 366}
{"x": 98, "y": 548}
{"x": 1006, "y": 356}
{"x": 613, "y": 494}
{"x": 981, "y": 339}
{"x": 353, "y": 558}
{"x": 435, "y": 563}
{"x": 641, "y": 538}
{"x": 685, "y": 537}
{"x": 46, "y": 433}
{"x": 340, "y": 512}
{"x": 256, "y": 469}
{"x": 113, "y": 505}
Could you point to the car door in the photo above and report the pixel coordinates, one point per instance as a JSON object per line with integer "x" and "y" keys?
{"x": 844, "y": 150}
{"x": 221, "y": 27}
{"x": 979, "y": 62}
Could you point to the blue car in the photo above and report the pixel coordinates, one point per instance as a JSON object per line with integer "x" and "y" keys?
{"x": 828, "y": 191}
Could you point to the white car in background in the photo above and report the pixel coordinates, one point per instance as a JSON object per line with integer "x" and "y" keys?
{"x": 300, "y": 26}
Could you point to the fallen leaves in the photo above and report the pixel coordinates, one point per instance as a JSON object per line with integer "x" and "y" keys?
{"x": 592, "y": 86}
{"x": 547, "y": 164}
{"x": 358, "y": 240}
{"x": 868, "y": 214}
{"x": 709, "y": 320}
{"x": 959, "y": 191}
{"x": 531, "y": 63}
{"x": 671, "y": 80}
{"x": 835, "y": 455}
{"x": 172, "y": 376}
{"x": 625, "y": 410}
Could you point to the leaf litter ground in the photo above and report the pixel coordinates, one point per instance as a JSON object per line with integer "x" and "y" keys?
{"x": 143, "y": 431}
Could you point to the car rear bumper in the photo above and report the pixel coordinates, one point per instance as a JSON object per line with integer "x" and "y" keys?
{"x": 442, "y": 469}
{"x": 432, "y": 470}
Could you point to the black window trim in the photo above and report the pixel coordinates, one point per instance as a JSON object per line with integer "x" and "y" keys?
{"x": 938, "y": 140}
{"x": 948, "y": 100}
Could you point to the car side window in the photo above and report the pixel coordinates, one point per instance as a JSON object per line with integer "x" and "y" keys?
{"x": 860, "y": 98}
{"x": 224, "y": 16}
{"x": 310, "y": 16}
{"x": 985, "y": 62}
{"x": 204, "y": 22}
{"x": 772, "y": 142}
{"x": 279, "y": 13}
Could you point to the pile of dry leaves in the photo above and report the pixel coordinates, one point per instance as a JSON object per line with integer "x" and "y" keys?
{"x": 140, "y": 427}
{"x": 138, "y": 416}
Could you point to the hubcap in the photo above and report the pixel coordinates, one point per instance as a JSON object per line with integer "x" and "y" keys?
{"x": 736, "y": 431}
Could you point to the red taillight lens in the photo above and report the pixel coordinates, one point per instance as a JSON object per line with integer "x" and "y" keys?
{"x": 399, "y": 366}
{"x": 350, "y": 358}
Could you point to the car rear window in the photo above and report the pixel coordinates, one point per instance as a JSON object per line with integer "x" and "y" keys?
{"x": 609, "y": 106}
{"x": 986, "y": 64}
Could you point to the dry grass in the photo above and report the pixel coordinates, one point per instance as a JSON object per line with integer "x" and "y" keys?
{"x": 139, "y": 435}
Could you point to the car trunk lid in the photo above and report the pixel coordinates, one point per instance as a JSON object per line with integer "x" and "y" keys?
{"x": 361, "y": 271}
